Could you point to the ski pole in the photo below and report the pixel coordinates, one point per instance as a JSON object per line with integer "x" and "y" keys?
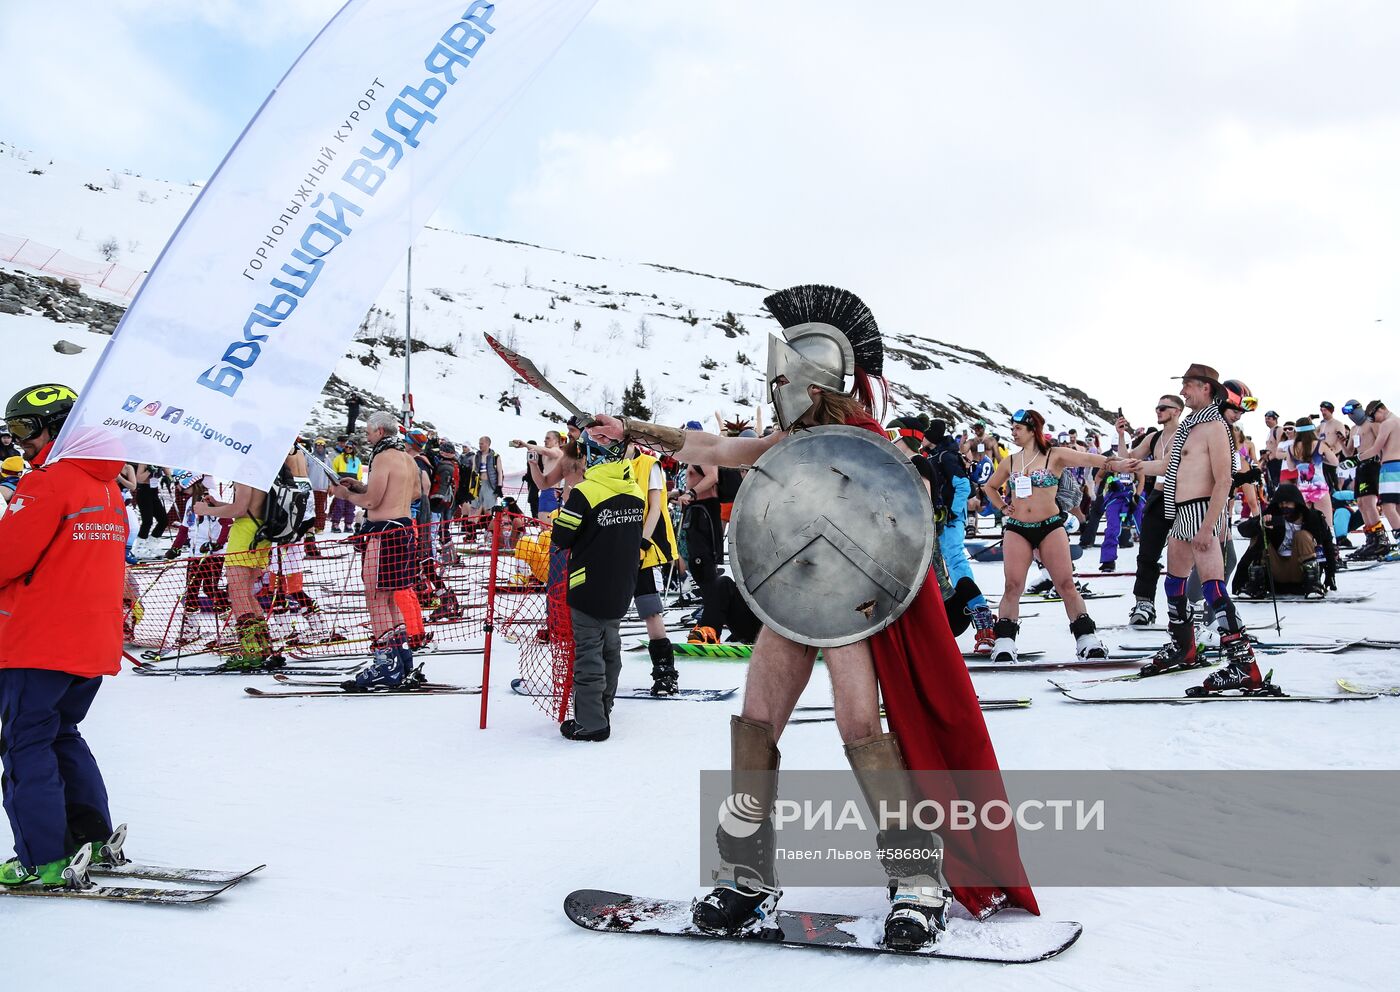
{"x": 1269, "y": 570}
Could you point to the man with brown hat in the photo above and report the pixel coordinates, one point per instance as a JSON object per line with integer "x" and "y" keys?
{"x": 1198, "y": 480}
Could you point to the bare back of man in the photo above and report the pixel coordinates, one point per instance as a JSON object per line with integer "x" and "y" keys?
{"x": 390, "y": 563}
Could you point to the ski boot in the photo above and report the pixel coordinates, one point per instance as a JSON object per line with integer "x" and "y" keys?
{"x": 1087, "y": 646}
{"x": 1108, "y": 566}
{"x": 664, "y": 678}
{"x": 703, "y": 635}
{"x": 983, "y": 621}
{"x": 70, "y": 872}
{"x": 1143, "y": 614}
{"x": 1241, "y": 671}
{"x": 1178, "y": 654}
{"x": 1004, "y": 645}
{"x": 448, "y": 608}
{"x": 390, "y": 669}
{"x": 1045, "y": 587}
{"x": 254, "y": 647}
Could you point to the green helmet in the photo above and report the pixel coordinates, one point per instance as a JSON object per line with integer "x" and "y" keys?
{"x": 32, "y": 410}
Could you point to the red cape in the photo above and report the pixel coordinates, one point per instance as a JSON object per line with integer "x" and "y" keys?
{"x": 933, "y": 711}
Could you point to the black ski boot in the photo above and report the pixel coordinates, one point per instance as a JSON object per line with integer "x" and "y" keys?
{"x": 1313, "y": 582}
{"x": 1176, "y": 655}
{"x": 1241, "y": 673}
{"x": 1004, "y": 649}
{"x": 664, "y": 678}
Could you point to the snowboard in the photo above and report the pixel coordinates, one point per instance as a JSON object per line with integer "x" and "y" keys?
{"x": 1331, "y": 597}
{"x": 1005, "y": 939}
{"x": 522, "y": 688}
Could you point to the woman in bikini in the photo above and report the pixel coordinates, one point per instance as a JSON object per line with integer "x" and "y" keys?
{"x": 1304, "y": 458}
{"x": 1034, "y": 522}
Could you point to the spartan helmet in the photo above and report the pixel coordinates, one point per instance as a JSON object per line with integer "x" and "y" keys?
{"x": 813, "y": 354}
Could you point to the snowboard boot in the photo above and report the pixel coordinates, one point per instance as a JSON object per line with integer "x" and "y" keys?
{"x": 664, "y": 678}
{"x": 912, "y": 857}
{"x": 746, "y": 892}
{"x": 569, "y": 730}
{"x": 703, "y": 635}
{"x": 1004, "y": 646}
{"x": 985, "y": 638}
{"x": 1312, "y": 580}
{"x": 1177, "y": 654}
{"x": 1241, "y": 672}
{"x": 1143, "y": 614}
{"x": 1087, "y": 646}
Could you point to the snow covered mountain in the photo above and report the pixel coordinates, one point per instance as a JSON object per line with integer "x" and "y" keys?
{"x": 696, "y": 342}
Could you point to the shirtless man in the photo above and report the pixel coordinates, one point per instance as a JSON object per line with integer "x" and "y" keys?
{"x": 1386, "y": 447}
{"x": 1273, "y": 441}
{"x": 1332, "y": 437}
{"x": 1197, "y": 485}
{"x": 1154, "y": 446}
{"x": 1368, "y": 483}
{"x": 704, "y": 536}
{"x": 390, "y": 563}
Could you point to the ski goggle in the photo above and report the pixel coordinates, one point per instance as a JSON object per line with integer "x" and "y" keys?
{"x": 1350, "y": 408}
{"x": 1248, "y": 404}
{"x": 1020, "y": 417}
{"x": 24, "y": 426}
{"x": 895, "y": 433}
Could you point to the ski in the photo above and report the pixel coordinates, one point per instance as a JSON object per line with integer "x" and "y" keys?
{"x": 1008, "y": 938}
{"x": 1331, "y": 597}
{"x": 1113, "y": 661}
{"x": 159, "y": 873}
{"x": 282, "y": 679}
{"x": 1372, "y": 690}
{"x": 1277, "y": 647}
{"x": 1050, "y": 598}
{"x": 1219, "y": 697}
{"x": 205, "y": 670}
{"x": 522, "y": 688}
{"x": 432, "y": 689}
{"x": 1103, "y": 575}
{"x": 426, "y": 649}
{"x": 121, "y": 893}
{"x": 807, "y": 713}
{"x": 1132, "y": 677}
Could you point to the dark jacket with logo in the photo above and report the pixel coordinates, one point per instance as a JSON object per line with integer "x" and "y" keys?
{"x": 601, "y": 526}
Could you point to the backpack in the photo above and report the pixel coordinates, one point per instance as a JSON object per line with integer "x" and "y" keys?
{"x": 285, "y": 512}
{"x": 444, "y": 484}
{"x": 729, "y": 481}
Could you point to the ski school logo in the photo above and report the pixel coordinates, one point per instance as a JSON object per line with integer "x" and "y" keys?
{"x": 173, "y": 414}
{"x": 132, "y": 402}
{"x": 151, "y": 408}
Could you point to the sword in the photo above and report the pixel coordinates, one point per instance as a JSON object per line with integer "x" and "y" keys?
{"x": 527, "y": 371}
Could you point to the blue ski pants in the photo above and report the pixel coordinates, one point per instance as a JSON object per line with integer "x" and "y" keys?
{"x": 53, "y": 791}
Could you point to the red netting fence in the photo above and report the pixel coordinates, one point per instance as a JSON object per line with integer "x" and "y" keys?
{"x": 451, "y": 584}
{"x": 34, "y": 255}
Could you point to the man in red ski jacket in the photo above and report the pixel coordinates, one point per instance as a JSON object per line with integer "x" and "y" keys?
{"x": 61, "y": 580}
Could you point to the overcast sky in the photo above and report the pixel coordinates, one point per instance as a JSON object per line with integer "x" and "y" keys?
{"x": 1097, "y": 192}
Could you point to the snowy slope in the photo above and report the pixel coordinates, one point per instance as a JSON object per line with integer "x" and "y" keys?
{"x": 408, "y": 849}
{"x": 589, "y": 323}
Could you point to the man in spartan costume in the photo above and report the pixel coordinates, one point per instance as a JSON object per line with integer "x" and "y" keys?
{"x": 827, "y": 472}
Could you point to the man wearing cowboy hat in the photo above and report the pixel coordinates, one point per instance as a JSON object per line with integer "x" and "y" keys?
{"x": 1198, "y": 480}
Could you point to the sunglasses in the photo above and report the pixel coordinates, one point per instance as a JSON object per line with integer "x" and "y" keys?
{"x": 1167, "y": 406}
{"x": 24, "y": 427}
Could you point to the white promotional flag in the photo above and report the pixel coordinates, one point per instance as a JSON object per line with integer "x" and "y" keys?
{"x": 222, "y": 353}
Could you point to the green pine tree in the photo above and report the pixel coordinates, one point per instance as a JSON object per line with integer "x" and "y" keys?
{"x": 634, "y": 399}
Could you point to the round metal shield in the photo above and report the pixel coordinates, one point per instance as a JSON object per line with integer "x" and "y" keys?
{"x": 831, "y": 535}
